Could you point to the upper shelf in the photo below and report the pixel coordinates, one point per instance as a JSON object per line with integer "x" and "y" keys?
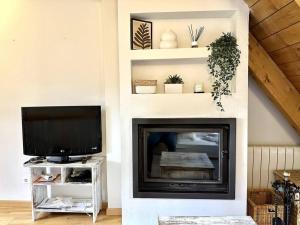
{"x": 177, "y": 53}
{"x": 184, "y": 14}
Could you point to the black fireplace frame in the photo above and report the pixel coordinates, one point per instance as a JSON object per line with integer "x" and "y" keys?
{"x": 225, "y": 190}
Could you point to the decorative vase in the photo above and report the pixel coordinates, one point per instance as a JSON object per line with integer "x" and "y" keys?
{"x": 173, "y": 88}
{"x": 198, "y": 88}
{"x": 168, "y": 40}
{"x": 194, "y": 44}
{"x": 168, "y": 44}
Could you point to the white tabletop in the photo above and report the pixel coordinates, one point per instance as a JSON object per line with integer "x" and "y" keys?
{"x": 197, "y": 220}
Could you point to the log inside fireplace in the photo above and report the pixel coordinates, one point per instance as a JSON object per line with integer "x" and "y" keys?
{"x": 189, "y": 166}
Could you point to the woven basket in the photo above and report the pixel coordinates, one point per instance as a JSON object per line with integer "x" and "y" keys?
{"x": 145, "y": 86}
{"x": 145, "y": 82}
{"x": 261, "y": 206}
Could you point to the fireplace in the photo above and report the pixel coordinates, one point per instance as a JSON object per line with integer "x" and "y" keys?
{"x": 184, "y": 158}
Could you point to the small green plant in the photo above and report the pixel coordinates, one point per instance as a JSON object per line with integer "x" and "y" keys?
{"x": 174, "y": 79}
{"x": 223, "y": 62}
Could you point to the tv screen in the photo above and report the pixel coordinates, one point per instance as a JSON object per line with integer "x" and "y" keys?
{"x": 61, "y": 131}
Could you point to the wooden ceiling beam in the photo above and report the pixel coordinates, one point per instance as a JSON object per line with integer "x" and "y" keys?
{"x": 279, "y": 89}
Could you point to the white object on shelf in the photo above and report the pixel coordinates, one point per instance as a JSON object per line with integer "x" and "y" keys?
{"x": 78, "y": 206}
{"x": 41, "y": 191}
{"x": 177, "y": 53}
{"x": 194, "y": 44}
{"x": 55, "y": 203}
{"x": 199, "y": 88}
{"x": 168, "y": 40}
{"x": 168, "y": 44}
{"x": 168, "y": 35}
{"x": 145, "y": 89}
{"x": 173, "y": 88}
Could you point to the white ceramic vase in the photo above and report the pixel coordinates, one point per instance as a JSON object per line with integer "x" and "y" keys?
{"x": 168, "y": 40}
{"x": 168, "y": 44}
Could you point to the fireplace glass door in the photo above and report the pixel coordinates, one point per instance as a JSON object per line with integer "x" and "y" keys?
{"x": 183, "y": 155}
{"x": 184, "y": 158}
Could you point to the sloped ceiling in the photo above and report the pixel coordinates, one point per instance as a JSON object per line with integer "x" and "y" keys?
{"x": 276, "y": 26}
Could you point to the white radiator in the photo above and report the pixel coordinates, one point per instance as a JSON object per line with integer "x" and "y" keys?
{"x": 263, "y": 160}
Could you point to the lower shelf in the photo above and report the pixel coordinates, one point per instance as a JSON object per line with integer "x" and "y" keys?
{"x": 78, "y": 206}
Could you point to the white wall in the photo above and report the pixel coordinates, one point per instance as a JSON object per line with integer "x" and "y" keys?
{"x": 112, "y": 103}
{"x": 50, "y": 55}
{"x": 267, "y": 126}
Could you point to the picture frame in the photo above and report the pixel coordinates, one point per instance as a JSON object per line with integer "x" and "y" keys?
{"x": 141, "y": 34}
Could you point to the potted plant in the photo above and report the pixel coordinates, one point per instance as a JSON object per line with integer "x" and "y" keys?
{"x": 223, "y": 62}
{"x": 174, "y": 84}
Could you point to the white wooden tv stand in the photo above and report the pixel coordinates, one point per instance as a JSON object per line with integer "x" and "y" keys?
{"x": 45, "y": 190}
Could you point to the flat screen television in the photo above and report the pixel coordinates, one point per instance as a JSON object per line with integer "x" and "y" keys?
{"x": 58, "y": 132}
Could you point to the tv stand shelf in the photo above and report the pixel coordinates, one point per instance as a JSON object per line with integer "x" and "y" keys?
{"x": 42, "y": 189}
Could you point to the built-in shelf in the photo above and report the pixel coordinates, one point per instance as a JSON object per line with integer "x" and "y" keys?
{"x": 172, "y": 95}
{"x": 183, "y": 14}
{"x": 167, "y": 54}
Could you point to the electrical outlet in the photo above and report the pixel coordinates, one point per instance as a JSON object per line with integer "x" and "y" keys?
{"x": 26, "y": 176}
{"x": 26, "y": 180}
{"x": 297, "y": 196}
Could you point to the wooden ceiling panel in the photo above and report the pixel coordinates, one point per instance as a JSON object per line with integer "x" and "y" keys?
{"x": 295, "y": 79}
{"x": 291, "y": 69}
{"x": 286, "y": 55}
{"x": 296, "y": 83}
{"x": 273, "y": 43}
{"x": 283, "y": 18}
{"x": 251, "y": 2}
{"x": 265, "y": 8}
{"x": 282, "y": 39}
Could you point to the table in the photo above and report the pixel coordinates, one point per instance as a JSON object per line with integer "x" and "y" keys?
{"x": 196, "y": 220}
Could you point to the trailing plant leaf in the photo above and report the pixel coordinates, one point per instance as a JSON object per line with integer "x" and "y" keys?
{"x": 142, "y": 37}
{"x": 223, "y": 62}
{"x": 174, "y": 79}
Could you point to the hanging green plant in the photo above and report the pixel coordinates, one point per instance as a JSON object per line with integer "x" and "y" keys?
{"x": 223, "y": 62}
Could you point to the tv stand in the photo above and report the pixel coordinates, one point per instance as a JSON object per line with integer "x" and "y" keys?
{"x": 85, "y": 194}
{"x": 67, "y": 159}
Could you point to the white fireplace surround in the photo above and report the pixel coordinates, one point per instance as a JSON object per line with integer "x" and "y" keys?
{"x": 137, "y": 211}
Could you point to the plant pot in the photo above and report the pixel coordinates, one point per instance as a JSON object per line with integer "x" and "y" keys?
{"x": 173, "y": 88}
{"x": 145, "y": 89}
